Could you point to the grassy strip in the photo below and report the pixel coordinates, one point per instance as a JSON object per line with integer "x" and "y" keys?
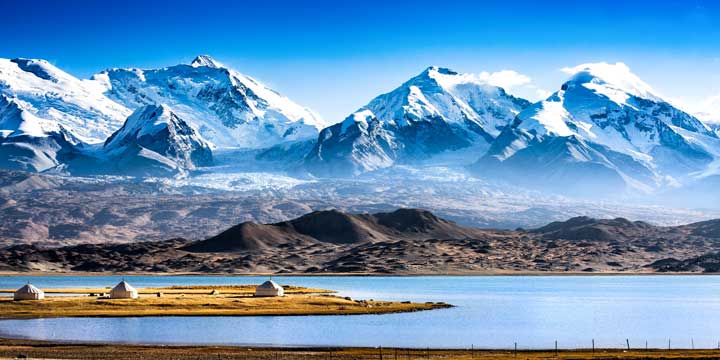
{"x": 191, "y": 289}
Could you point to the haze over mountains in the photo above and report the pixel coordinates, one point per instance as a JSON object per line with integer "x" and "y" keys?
{"x": 604, "y": 130}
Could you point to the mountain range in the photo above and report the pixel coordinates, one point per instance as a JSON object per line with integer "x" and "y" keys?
{"x": 604, "y": 129}
{"x": 404, "y": 241}
{"x": 54, "y": 121}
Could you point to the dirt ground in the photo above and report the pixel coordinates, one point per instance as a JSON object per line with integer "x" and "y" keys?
{"x": 12, "y": 349}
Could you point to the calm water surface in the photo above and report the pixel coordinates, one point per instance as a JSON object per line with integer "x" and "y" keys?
{"x": 491, "y": 312}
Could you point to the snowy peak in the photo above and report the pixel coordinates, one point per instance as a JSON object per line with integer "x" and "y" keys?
{"x": 41, "y": 68}
{"x": 462, "y": 99}
{"x": 146, "y": 121}
{"x": 49, "y": 93}
{"x": 636, "y": 136}
{"x": 29, "y": 143}
{"x": 207, "y": 61}
{"x": 229, "y": 109}
{"x": 437, "y": 111}
{"x": 614, "y": 81}
{"x": 154, "y": 135}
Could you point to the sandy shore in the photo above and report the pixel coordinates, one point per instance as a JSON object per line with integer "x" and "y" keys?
{"x": 11, "y": 349}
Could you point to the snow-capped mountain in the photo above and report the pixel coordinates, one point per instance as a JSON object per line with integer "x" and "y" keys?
{"x": 436, "y": 111}
{"x": 52, "y": 119}
{"x": 604, "y": 126}
{"x": 30, "y": 143}
{"x": 155, "y": 140}
{"x": 229, "y": 109}
{"x": 49, "y": 93}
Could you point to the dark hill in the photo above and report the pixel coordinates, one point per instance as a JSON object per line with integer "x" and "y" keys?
{"x": 335, "y": 227}
{"x": 586, "y": 228}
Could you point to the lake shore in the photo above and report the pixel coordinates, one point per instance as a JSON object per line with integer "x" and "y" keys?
{"x": 202, "y": 301}
{"x": 12, "y": 349}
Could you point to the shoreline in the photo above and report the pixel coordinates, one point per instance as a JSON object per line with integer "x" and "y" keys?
{"x": 13, "y": 348}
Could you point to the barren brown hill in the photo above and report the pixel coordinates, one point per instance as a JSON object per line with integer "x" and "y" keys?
{"x": 335, "y": 227}
{"x": 405, "y": 241}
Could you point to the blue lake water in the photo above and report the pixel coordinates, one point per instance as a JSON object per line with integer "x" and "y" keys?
{"x": 491, "y": 312}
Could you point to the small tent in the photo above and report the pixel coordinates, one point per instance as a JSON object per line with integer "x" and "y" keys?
{"x": 29, "y": 292}
{"x": 269, "y": 288}
{"x": 123, "y": 290}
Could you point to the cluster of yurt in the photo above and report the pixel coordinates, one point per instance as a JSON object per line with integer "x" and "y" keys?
{"x": 123, "y": 290}
{"x": 29, "y": 292}
{"x": 269, "y": 288}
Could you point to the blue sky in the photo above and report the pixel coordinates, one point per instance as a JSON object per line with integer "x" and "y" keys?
{"x": 334, "y": 56}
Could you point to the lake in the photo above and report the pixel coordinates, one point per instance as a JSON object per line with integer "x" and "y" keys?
{"x": 490, "y": 312}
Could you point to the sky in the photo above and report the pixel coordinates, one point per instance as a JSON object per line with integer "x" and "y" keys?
{"x": 334, "y": 56}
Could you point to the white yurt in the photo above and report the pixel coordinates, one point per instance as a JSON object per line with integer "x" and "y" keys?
{"x": 269, "y": 288}
{"x": 29, "y": 292}
{"x": 123, "y": 290}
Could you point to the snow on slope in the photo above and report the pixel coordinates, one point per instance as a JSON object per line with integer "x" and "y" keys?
{"x": 152, "y": 142}
{"x": 230, "y": 110}
{"x": 28, "y": 142}
{"x": 436, "y": 111}
{"x": 51, "y": 94}
{"x": 641, "y": 138}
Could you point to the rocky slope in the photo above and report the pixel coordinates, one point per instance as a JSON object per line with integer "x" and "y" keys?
{"x": 406, "y": 241}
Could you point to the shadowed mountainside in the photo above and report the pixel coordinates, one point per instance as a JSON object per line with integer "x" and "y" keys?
{"x": 334, "y": 227}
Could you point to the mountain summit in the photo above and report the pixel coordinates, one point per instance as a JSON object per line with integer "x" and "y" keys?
{"x": 437, "y": 111}
{"x": 604, "y": 126}
{"x": 206, "y": 60}
{"x": 229, "y": 109}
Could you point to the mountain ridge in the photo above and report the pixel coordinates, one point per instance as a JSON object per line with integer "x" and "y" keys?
{"x": 413, "y": 241}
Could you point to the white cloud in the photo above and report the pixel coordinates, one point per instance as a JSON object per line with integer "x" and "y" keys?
{"x": 515, "y": 83}
{"x": 506, "y": 79}
{"x": 707, "y": 110}
{"x": 542, "y": 93}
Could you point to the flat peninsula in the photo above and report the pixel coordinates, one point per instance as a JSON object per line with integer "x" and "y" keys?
{"x": 201, "y": 301}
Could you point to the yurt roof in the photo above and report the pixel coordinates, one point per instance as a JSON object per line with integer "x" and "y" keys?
{"x": 29, "y": 289}
{"x": 124, "y": 286}
{"x": 269, "y": 285}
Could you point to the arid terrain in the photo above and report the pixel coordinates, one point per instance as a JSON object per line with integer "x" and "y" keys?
{"x": 12, "y": 349}
{"x": 46, "y": 209}
{"x": 405, "y": 241}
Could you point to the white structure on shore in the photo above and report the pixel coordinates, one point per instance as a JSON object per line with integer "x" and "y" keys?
{"x": 269, "y": 288}
{"x": 29, "y": 292}
{"x": 123, "y": 290}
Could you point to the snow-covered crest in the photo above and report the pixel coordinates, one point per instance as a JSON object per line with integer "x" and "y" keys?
{"x": 206, "y": 60}
{"x": 454, "y": 97}
{"x": 49, "y": 93}
{"x": 154, "y": 140}
{"x": 229, "y": 109}
{"x": 615, "y": 81}
{"x": 437, "y": 111}
{"x": 635, "y": 136}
